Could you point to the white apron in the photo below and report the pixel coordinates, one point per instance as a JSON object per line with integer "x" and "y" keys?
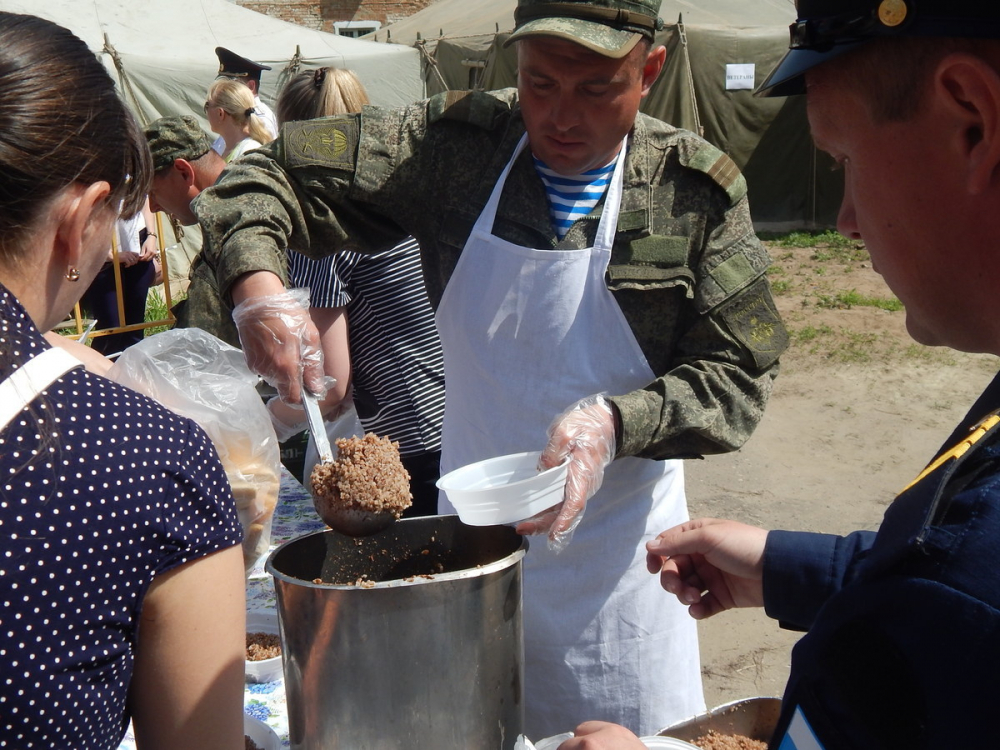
{"x": 526, "y": 333}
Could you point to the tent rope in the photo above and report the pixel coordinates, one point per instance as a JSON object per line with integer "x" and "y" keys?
{"x": 123, "y": 80}
{"x": 430, "y": 62}
{"x": 293, "y": 67}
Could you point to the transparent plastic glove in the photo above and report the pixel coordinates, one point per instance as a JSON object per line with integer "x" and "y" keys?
{"x": 281, "y": 343}
{"x": 289, "y": 420}
{"x": 585, "y": 433}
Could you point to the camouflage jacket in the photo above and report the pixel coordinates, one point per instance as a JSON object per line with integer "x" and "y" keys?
{"x": 203, "y": 307}
{"x": 686, "y": 268}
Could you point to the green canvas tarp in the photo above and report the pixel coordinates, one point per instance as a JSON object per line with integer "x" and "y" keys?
{"x": 162, "y": 52}
{"x": 162, "y": 55}
{"x": 791, "y": 185}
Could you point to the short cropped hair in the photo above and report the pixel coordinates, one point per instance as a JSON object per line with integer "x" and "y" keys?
{"x": 892, "y": 74}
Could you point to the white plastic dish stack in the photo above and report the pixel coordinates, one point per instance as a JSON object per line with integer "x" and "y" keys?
{"x": 504, "y": 489}
{"x": 264, "y": 670}
{"x": 262, "y": 735}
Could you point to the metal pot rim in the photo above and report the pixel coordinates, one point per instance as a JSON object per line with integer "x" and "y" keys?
{"x": 455, "y": 575}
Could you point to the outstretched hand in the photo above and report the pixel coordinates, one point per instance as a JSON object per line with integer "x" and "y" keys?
{"x": 710, "y": 565}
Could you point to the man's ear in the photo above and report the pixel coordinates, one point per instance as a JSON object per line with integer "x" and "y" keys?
{"x": 76, "y": 220}
{"x": 969, "y": 88}
{"x": 652, "y": 67}
{"x": 185, "y": 171}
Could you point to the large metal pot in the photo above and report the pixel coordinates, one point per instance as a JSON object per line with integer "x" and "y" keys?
{"x": 409, "y": 638}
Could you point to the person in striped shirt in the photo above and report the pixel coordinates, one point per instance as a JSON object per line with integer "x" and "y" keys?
{"x": 376, "y": 323}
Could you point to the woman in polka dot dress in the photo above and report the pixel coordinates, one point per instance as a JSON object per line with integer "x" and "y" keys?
{"x": 121, "y": 575}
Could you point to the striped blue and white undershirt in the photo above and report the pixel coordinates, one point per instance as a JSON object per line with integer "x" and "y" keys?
{"x": 573, "y": 196}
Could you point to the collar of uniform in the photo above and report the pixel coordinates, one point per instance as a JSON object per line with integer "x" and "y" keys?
{"x": 532, "y": 228}
{"x": 637, "y": 195}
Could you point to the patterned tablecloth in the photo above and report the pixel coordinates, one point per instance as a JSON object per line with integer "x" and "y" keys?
{"x": 293, "y": 517}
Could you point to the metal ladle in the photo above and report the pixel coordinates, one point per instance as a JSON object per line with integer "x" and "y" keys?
{"x": 349, "y": 521}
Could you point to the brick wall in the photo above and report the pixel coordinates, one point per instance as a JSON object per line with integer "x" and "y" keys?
{"x": 321, "y": 14}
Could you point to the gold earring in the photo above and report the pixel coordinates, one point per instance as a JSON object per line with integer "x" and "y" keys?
{"x": 72, "y": 275}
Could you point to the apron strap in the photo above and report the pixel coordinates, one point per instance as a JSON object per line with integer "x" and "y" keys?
{"x": 37, "y": 374}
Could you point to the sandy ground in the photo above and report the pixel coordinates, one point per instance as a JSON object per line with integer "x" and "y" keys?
{"x": 855, "y": 415}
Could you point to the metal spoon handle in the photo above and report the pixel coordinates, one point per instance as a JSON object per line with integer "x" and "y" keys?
{"x": 317, "y": 427}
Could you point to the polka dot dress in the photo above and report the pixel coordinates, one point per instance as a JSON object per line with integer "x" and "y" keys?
{"x": 101, "y": 489}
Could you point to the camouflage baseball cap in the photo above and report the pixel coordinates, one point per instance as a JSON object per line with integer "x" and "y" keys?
{"x": 825, "y": 29}
{"x": 177, "y": 137}
{"x": 609, "y": 27}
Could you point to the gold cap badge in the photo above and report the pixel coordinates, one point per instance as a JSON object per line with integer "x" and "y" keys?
{"x": 892, "y": 12}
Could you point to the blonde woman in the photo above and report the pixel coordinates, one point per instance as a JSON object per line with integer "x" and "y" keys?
{"x": 231, "y": 114}
{"x": 321, "y": 93}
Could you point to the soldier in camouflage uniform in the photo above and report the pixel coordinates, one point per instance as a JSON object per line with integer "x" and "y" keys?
{"x": 646, "y": 334}
{"x": 184, "y": 164}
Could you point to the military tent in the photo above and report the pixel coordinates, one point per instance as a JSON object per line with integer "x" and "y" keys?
{"x": 162, "y": 52}
{"x": 717, "y": 51}
{"x": 162, "y": 55}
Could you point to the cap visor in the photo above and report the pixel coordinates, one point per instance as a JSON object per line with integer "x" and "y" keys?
{"x": 788, "y": 77}
{"x": 597, "y": 37}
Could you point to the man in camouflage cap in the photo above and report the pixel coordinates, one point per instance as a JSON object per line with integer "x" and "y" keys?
{"x": 596, "y": 277}
{"x": 184, "y": 164}
{"x": 901, "y": 648}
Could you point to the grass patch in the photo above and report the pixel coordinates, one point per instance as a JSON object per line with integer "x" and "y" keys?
{"x": 826, "y": 245}
{"x": 810, "y": 333}
{"x": 156, "y": 309}
{"x": 780, "y": 286}
{"x": 847, "y": 300}
{"x": 821, "y": 238}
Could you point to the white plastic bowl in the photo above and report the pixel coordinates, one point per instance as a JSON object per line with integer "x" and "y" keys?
{"x": 666, "y": 743}
{"x": 262, "y": 735}
{"x": 503, "y": 490}
{"x": 265, "y": 670}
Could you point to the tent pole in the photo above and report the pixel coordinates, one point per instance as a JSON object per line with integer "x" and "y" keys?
{"x": 689, "y": 75}
{"x": 291, "y": 68}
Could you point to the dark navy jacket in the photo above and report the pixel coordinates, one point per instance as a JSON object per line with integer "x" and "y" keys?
{"x": 903, "y": 641}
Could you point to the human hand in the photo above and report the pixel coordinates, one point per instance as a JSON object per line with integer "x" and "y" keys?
{"x": 280, "y": 342}
{"x": 602, "y": 735}
{"x": 127, "y": 258}
{"x": 710, "y": 565}
{"x": 584, "y": 435}
{"x": 149, "y": 249}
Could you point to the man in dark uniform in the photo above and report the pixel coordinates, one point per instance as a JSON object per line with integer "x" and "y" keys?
{"x": 902, "y": 648}
{"x": 248, "y": 73}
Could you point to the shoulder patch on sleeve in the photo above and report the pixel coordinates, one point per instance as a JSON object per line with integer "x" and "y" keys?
{"x": 328, "y": 142}
{"x": 474, "y": 107}
{"x": 753, "y": 319}
{"x": 707, "y": 158}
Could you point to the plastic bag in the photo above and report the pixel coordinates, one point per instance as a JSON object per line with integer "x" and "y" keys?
{"x": 202, "y": 377}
